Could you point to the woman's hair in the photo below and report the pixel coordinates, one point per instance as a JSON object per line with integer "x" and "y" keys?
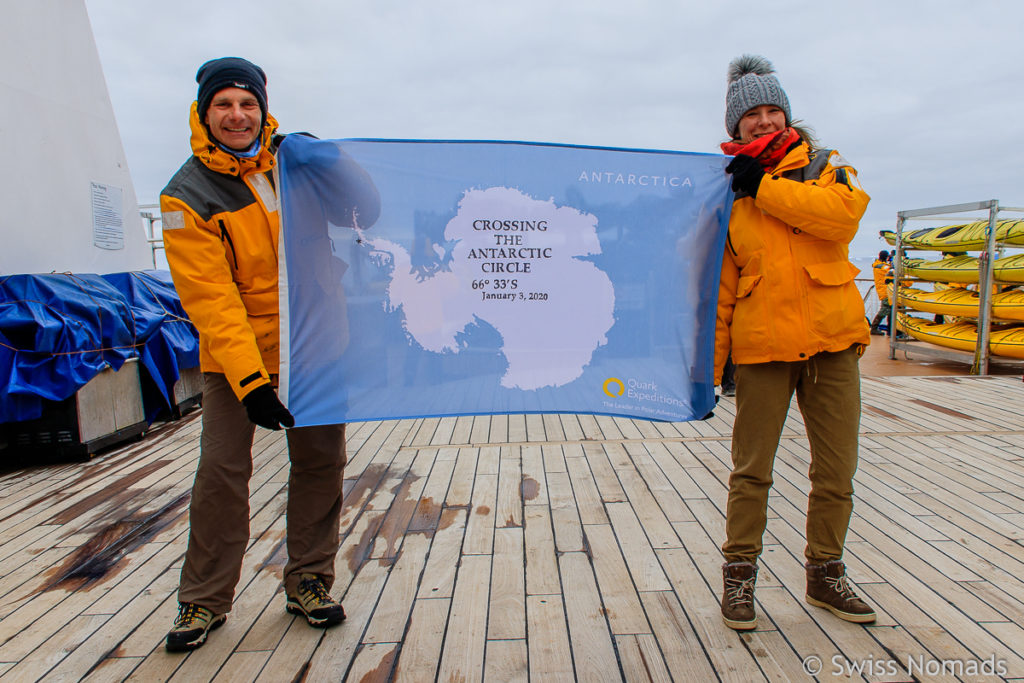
{"x": 806, "y": 134}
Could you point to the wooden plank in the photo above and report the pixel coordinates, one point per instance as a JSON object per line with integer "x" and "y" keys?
{"x": 480, "y": 527}
{"x": 681, "y": 646}
{"x": 550, "y": 655}
{"x": 553, "y": 430}
{"x": 389, "y": 619}
{"x": 507, "y": 661}
{"x": 502, "y": 427}
{"x": 151, "y": 631}
{"x": 564, "y": 516}
{"x": 640, "y": 556}
{"x": 571, "y": 428}
{"x": 621, "y": 601}
{"x": 73, "y": 631}
{"x": 462, "y": 658}
{"x": 656, "y": 524}
{"x": 507, "y": 612}
{"x": 535, "y": 428}
{"x": 509, "y": 510}
{"x": 289, "y": 661}
{"x": 535, "y": 486}
{"x": 641, "y": 659}
{"x": 242, "y": 666}
{"x": 462, "y": 433}
{"x": 443, "y": 433}
{"x": 585, "y": 492}
{"x": 588, "y": 629}
{"x": 439, "y": 575}
{"x": 604, "y": 474}
{"x": 428, "y": 508}
{"x": 461, "y": 490}
{"x": 421, "y": 649}
{"x": 541, "y": 567}
{"x": 516, "y": 428}
{"x": 110, "y": 669}
{"x": 481, "y": 430}
{"x": 373, "y": 663}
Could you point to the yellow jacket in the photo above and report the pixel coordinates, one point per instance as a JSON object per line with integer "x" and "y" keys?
{"x": 220, "y": 228}
{"x": 787, "y": 289}
{"x": 881, "y": 270}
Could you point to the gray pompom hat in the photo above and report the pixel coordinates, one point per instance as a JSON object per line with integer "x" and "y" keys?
{"x": 751, "y": 84}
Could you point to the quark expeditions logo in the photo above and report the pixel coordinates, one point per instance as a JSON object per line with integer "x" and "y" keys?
{"x": 614, "y": 387}
{"x": 636, "y": 390}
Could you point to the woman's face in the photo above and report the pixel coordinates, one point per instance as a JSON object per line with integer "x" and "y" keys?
{"x": 762, "y": 120}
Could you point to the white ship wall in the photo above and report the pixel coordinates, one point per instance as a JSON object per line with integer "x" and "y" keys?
{"x": 64, "y": 181}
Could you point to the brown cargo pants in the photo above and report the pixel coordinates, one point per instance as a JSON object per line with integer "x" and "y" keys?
{"x": 219, "y": 511}
{"x": 827, "y": 387}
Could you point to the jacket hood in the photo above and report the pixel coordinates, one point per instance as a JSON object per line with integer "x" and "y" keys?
{"x": 216, "y": 159}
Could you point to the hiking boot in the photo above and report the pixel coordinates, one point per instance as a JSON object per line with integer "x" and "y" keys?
{"x": 191, "y": 626}
{"x": 827, "y": 587}
{"x": 738, "y": 597}
{"x": 312, "y": 601}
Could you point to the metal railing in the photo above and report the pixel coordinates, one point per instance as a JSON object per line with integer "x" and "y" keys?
{"x": 151, "y": 219}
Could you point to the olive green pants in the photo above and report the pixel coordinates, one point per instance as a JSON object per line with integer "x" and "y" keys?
{"x": 219, "y": 510}
{"x": 827, "y": 388}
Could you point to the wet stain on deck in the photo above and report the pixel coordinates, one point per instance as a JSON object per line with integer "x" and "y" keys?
{"x": 529, "y": 488}
{"x": 98, "y": 556}
{"x": 941, "y": 409}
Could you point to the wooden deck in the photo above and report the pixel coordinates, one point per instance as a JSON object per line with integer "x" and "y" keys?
{"x": 541, "y": 548}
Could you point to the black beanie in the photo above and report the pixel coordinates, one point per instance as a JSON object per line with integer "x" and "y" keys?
{"x": 230, "y": 72}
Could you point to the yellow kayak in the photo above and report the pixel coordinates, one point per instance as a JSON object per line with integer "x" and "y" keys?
{"x": 964, "y": 269}
{"x": 962, "y": 302}
{"x": 962, "y": 237}
{"x": 1003, "y": 340}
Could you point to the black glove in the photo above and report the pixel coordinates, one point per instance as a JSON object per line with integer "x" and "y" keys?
{"x": 746, "y": 174}
{"x": 265, "y": 409}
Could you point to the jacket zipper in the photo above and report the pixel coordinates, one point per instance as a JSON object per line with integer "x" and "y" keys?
{"x": 224, "y": 236}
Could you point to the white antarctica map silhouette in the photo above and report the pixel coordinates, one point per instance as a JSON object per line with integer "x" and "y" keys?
{"x": 515, "y": 266}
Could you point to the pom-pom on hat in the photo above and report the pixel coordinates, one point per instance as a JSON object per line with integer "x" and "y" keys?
{"x": 230, "y": 72}
{"x": 751, "y": 84}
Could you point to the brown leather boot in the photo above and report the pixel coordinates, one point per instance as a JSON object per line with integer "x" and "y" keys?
{"x": 738, "y": 596}
{"x": 827, "y": 587}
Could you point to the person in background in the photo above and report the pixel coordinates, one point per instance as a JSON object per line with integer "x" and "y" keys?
{"x": 881, "y": 269}
{"x": 729, "y": 378}
{"x": 221, "y": 229}
{"x": 793, "y": 319}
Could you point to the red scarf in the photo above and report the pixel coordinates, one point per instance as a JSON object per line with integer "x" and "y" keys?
{"x": 768, "y": 149}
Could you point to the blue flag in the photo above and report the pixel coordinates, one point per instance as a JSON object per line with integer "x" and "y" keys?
{"x": 432, "y": 278}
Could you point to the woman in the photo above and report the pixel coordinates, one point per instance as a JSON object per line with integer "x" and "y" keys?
{"x": 880, "y": 270}
{"x": 793, "y": 319}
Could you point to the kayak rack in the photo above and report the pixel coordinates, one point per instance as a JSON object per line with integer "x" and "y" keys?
{"x": 982, "y": 356}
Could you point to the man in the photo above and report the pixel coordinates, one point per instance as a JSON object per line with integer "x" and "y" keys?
{"x": 881, "y": 270}
{"x": 221, "y": 230}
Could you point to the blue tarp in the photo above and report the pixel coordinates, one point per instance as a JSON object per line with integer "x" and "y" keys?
{"x": 58, "y": 331}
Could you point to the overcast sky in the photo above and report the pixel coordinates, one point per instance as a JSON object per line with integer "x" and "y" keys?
{"x": 924, "y": 99}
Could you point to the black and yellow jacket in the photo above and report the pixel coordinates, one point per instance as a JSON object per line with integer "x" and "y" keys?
{"x": 787, "y": 289}
{"x": 220, "y": 229}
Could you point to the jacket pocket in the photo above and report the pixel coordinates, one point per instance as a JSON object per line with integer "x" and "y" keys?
{"x": 834, "y": 302}
{"x": 750, "y": 319}
{"x": 746, "y": 284}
